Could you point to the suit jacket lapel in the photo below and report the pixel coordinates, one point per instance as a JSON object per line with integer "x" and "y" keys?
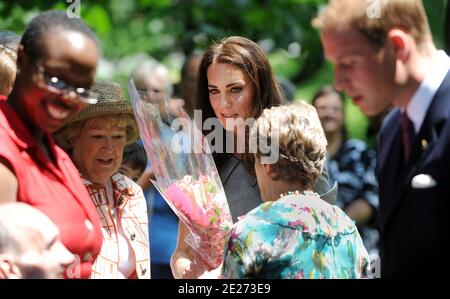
{"x": 390, "y": 161}
{"x": 389, "y": 146}
{"x": 430, "y": 131}
{"x": 428, "y": 136}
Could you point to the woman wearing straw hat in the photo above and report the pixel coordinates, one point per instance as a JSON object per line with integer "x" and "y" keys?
{"x": 95, "y": 140}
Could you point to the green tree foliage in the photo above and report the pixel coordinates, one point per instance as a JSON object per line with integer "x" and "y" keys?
{"x": 447, "y": 31}
{"x": 171, "y": 29}
{"x": 162, "y": 27}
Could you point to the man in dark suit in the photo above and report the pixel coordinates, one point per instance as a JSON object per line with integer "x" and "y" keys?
{"x": 383, "y": 54}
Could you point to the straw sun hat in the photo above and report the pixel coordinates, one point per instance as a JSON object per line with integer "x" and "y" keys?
{"x": 111, "y": 100}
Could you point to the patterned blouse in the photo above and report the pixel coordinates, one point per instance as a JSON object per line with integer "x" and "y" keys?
{"x": 297, "y": 236}
{"x": 353, "y": 167}
{"x": 132, "y": 209}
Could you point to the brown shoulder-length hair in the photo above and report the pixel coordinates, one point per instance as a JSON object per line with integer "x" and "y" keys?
{"x": 250, "y": 58}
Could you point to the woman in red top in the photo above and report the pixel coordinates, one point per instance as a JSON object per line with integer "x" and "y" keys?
{"x": 56, "y": 61}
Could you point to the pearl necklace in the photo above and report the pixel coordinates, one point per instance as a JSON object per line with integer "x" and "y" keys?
{"x": 296, "y": 192}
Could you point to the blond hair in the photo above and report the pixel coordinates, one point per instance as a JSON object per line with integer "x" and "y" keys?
{"x": 65, "y": 137}
{"x": 408, "y": 15}
{"x": 7, "y": 69}
{"x": 302, "y": 142}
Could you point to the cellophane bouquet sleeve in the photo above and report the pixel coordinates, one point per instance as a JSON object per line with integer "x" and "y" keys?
{"x": 185, "y": 172}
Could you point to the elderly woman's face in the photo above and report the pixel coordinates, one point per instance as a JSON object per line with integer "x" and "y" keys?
{"x": 97, "y": 151}
{"x": 231, "y": 94}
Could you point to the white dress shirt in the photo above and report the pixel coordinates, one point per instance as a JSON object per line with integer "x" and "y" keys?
{"x": 418, "y": 106}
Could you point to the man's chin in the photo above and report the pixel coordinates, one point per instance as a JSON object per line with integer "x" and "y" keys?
{"x": 367, "y": 111}
{"x": 373, "y": 112}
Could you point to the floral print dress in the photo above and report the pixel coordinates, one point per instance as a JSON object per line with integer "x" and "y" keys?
{"x": 353, "y": 168}
{"x": 297, "y": 236}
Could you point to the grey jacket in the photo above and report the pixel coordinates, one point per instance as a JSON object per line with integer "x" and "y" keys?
{"x": 242, "y": 191}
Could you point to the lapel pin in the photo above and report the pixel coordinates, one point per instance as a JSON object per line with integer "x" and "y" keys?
{"x": 424, "y": 144}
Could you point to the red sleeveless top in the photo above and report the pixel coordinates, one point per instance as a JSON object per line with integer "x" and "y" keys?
{"x": 55, "y": 189}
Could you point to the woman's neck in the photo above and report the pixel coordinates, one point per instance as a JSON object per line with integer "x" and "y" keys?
{"x": 15, "y": 103}
{"x": 38, "y": 134}
{"x": 102, "y": 181}
{"x": 280, "y": 188}
{"x": 238, "y": 146}
{"x": 335, "y": 141}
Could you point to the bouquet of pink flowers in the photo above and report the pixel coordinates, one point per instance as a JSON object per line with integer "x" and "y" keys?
{"x": 186, "y": 175}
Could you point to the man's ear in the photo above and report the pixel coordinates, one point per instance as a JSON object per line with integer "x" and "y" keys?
{"x": 401, "y": 43}
{"x": 8, "y": 269}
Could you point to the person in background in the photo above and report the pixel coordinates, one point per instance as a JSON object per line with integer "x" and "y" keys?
{"x": 352, "y": 164}
{"x": 134, "y": 161}
{"x": 9, "y": 43}
{"x": 294, "y": 233}
{"x": 388, "y": 57}
{"x": 235, "y": 81}
{"x": 288, "y": 89}
{"x": 95, "y": 140}
{"x": 188, "y": 83}
{"x": 30, "y": 244}
{"x": 8, "y": 59}
{"x": 10, "y": 40}
{"x": 152, "y": 80}
{"x": 56, "y": 64}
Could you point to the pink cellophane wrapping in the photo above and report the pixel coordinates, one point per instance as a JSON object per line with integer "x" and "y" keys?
{"x": 186, "y": 175}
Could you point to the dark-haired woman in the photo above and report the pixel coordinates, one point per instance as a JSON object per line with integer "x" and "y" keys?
{"x": 235, "y": 85}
